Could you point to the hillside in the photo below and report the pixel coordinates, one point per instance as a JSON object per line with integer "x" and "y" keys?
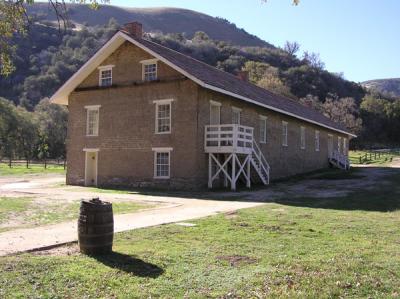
{"x": 390, "y": 87}
{"x": 164, "y": 20}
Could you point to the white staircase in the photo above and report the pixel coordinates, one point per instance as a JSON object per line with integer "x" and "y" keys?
{"x": 339, "y": 160}
{"x": 260, "y": 164}
{"x": 231, "y": 152}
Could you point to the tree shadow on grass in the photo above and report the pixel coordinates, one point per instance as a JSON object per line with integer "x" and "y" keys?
{"x": 129, "y": 264}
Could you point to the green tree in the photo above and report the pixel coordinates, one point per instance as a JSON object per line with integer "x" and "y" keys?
{"x": 52, "y": 125}
{"x": 14, "y": 20}
{"x": 8, "y": 129}
{"x": 27, "y": 135}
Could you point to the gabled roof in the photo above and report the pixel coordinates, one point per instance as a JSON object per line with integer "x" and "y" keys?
{"x": 204, "y": 75}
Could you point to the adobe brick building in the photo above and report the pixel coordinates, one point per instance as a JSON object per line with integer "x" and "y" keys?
{"x": 143, "y": 115}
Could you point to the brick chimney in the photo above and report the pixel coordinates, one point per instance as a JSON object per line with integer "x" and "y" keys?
{"x": 134, "y": 28}
{"x": 243, "y": 75}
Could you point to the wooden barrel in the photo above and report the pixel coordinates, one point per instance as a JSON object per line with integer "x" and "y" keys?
{"x": 95, "y": 227}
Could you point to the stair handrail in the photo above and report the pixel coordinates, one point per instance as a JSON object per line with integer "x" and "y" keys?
{"x": 341, "y": 159}
{"x": 263, "y": 162}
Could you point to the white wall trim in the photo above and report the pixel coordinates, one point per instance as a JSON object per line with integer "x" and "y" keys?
{"x": 163, "y": 101}
{"x": 106, "y": 67}
{"x": 236, "y": 109}
{"x": 162, "y": 149}
{"x": 149, "y": 61}
{"x": 93, "y": 107}
{"x": 215, "y": 103}
{"x": 91, "y": 149}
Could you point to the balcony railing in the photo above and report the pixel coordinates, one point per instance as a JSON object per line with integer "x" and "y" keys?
{"x": 228, "y": 138}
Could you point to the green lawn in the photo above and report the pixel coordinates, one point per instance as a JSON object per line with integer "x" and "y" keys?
{"x": 21, "y": 169}
{"x": 344, "y": 247}
{"x": 383, "y": 159}
{"x": 26, "y": 212}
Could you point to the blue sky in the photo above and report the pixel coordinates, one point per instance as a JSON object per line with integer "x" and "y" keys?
{"x": 357, "y": 37}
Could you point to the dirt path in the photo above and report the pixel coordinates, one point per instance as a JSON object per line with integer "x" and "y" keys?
{"x": 173, "y": 209}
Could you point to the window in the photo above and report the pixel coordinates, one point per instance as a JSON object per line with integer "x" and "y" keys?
{"x": 105, "y": 75}
{"x": 92, "y": 120}
{"x": 263, "y": 129}
{"x": 339, "y": 144}
{"x": 162, "y": 158}
{"x": 302, "y": 137}
{"x": 215, "y": 111}
{"x": 317, "y": 141}
{"x": 344, "y": 145}
{"x": 149, "y": 70}
{"x": 236, "y": 115}
{"x": 284, "y": 133}
{"x": 163, "y": 116}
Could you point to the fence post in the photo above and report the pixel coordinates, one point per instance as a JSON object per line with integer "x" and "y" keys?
{"x": 360, "y": 160}
{"x": 45, "y": 163}
{"x": 10, "y": 163}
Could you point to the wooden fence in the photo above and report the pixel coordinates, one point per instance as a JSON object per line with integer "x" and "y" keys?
{"x": 28, "y": 163}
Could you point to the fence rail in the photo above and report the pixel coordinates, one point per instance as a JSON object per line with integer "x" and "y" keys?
{"x": 28, "y": 163}
{"x": 372, "y": 156}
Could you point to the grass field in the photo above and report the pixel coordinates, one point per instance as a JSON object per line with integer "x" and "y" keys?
{"x": 20, "y": 169}
{"x": 343, "y": 247}
{"x": 383, "y": 159}
{"x": 27, "y": 212}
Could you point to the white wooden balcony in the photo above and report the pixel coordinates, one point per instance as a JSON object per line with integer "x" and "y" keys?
{"x": 228, "y": 138}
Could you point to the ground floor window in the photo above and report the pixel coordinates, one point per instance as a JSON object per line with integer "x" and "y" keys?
{"x": 162, "y": 163}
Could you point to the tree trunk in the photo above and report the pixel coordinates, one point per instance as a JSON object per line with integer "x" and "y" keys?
{"x": 10, "y": 162}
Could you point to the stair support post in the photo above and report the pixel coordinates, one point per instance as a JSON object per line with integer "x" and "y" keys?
{"x": 233, "y": 177}
{"x": 248, "y": 181}
{"x": 209, "y": 171}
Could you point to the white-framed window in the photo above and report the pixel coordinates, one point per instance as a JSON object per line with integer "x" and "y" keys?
{"x": 317, "y": 141}
{"x": 215, "y": 113}
{"x": 236, "y": 115}
{"x": 162, "y": 163}
{"x": 263, "y": 128}
{"x": 339, "y": 144}
{"x": 302, "y": 137}
{"x": 149, "y": 70}
{"x": 284, "y": 133}
{"x": 92, "y": 120}
{"x": 344, "y": 145}
{"x": 163, "y": 116}
{"x": 105, "y": 75}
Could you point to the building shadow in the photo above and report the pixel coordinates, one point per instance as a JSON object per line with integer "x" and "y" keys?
{"x": 129, "y": 264}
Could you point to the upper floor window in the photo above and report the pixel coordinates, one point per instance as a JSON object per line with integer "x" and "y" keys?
{"x": 105, "y": 75}
{"x": 302, "y": 137}
{"x": 92, "y": 120}
{"x": 149, "y": 70}
{"x": 215, "y": 113}
{"x": 163, "y": 116}
{"x": 236, "y": 115}
{"x": 317, "y": 141}
{"x": 284, "y": 133}
{"x": 263, "y": 129}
